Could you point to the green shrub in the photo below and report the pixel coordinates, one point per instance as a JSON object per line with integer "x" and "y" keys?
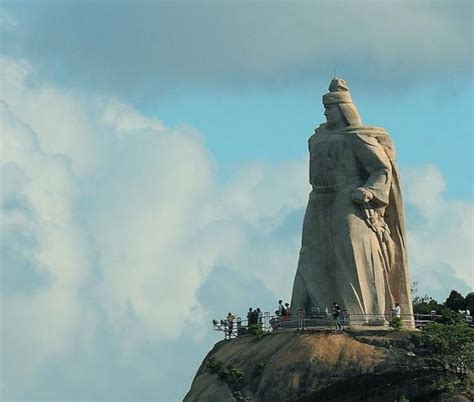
{"x": 229, "y": 374}
{"x": 214, "y": 365}
{"x": 451, "y": 317}
{"x": 447, "y": 387}
{"x": 255, "y": 330}
{"x": 465, "y": 384}
{"x": 403, "y": 399}
{"x": 234, "y": 373}
{"x": 453, "y": 343}
{"x": 260, "y": 367}
{"x": 396, "y": 323}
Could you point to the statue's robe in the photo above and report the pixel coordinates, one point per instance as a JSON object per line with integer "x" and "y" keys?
{"x": 342, "y": 259}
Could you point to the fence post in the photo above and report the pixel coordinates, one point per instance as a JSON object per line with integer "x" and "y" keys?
{"x": 239, "y": 326}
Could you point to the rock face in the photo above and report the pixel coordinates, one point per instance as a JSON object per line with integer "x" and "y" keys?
{"x": 318, "y": 366}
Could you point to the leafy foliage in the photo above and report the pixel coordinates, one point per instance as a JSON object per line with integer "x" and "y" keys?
{"x": 470, "y": 302}
{"x": 426, "y": 304}
{"x": 260, "y": 367}
{"x": 233, "y": 373}
{"x": 255, "y": 330}
{"x": 229, "y": 374}
{"x": 396, "y": 323}
{"x": 455, "y": 301}
{"x": 403, "y": 399}
{"x": 453, "y": 343}
{"x": 214, "y": 365}
{"x": 451, "y": 317}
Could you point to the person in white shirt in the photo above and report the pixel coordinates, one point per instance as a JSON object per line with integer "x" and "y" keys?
{"x": 397, "y": 311}
{"x": 280, "y": 307}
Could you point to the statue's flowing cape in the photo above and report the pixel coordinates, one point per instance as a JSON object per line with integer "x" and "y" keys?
{"x": 398, "y": 275}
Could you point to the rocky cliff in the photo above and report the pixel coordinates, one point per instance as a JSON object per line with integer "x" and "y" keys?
{"x": 321, "y": 366}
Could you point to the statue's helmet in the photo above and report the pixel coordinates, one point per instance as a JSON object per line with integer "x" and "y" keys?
{"x": 339, "y": 94}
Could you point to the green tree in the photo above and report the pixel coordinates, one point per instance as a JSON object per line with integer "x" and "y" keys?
{"x": 455, "y": 301}
{"x": 426, "y": 304}
{"x": 470, "y": 302}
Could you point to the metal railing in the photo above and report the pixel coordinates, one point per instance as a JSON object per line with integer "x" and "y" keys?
{"x": 240, "y": 326}
{"x": 321, "y": 320}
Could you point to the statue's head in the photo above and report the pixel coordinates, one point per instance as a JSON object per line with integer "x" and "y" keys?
{"x": 339, "y": 109}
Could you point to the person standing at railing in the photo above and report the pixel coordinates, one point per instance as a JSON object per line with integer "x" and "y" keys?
{"x": 230, "y": 322}
{"x": 259, "y": 317}
{"x": 250, "y": 316}
{"x": 336, "y": 313}
{"x": 281, "y": 309}
{"x": 397, "y": 311}
{"x": 287, "y": 311}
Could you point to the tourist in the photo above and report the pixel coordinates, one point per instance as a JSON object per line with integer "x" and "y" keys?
{"x": 250, "y": 317}
{"x": 397, "y": 311}
{"x": 336, "y": 313}
{"x": 259, "y": 317}
{"x": 255, "y": 317}
{"x": 287, "y": 310}
{"x": 230, "y": 321}
{"x": 281, "y": 309}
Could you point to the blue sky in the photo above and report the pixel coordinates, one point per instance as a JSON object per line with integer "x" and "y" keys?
{"x": 154, "y": 171}
{"x": 241, "y": 125}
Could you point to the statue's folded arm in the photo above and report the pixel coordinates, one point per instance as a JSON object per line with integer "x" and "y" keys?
{"x": 377, "y": 165}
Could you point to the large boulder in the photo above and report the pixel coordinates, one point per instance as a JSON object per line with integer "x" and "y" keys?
{"x": 320, "y": 366}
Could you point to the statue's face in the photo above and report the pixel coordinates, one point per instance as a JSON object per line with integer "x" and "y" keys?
{"x": 334, "y": 116}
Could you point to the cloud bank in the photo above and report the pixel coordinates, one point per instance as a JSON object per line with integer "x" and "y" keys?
{"x": 110, "y": 224}
{"x": 119, "y": 244}
{"x": 147, "y": 47}
{"x": 440, "y": 234}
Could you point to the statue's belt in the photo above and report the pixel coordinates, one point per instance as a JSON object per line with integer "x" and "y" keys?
{"x": 352, "y": 182}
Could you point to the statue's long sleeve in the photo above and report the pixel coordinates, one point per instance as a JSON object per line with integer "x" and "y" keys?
{"x": 376, "y": 163}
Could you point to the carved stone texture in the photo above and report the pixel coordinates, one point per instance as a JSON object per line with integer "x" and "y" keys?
{"x": 354, "y": 245}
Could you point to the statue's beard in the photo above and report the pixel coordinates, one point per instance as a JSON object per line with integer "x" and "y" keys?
{"x": 337, "y": 123}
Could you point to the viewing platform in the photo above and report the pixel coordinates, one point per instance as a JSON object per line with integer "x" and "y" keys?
{"x": 323, "y": 321}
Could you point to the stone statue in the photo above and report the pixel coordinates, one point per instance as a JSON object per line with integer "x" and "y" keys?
{"x": 354, "y": 244}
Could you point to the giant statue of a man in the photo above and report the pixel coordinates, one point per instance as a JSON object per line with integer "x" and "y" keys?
{"x": 354, "y": 245}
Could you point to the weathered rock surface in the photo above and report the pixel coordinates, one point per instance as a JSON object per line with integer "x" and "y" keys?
{"x": 319, "y": 366}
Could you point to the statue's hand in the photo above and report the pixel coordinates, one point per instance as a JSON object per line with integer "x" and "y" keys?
{"x": 361, "y": 195}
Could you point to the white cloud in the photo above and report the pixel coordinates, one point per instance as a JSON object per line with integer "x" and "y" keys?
{"x": 440, "y": 235}
{"x": 126, "y": 221}
{"x": 38, "y": 210}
